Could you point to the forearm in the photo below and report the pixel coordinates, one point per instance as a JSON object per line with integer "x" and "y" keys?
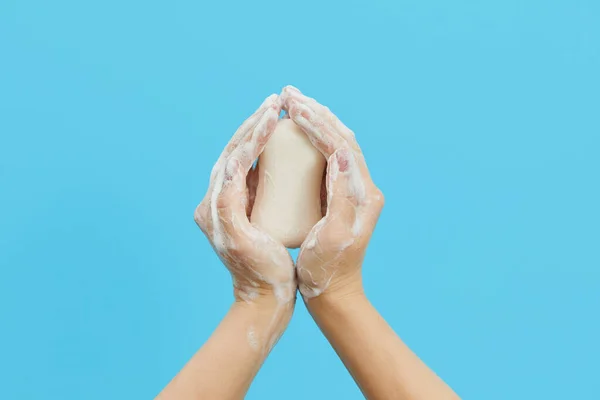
{"x": 228, "y": 362}
{"x": 381, "y": 364}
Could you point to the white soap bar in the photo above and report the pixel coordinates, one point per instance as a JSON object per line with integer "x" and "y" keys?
{"x": 288, "y": 195}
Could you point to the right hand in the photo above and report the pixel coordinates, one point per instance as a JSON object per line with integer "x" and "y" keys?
{"x": 331, "y": 256}
{"x": 261, "y": 268}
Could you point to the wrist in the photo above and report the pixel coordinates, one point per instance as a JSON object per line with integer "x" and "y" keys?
{"x": 265, "y": 304}
{"x": 266, "y": 296}
{"x": 348, "y": 286}
{"x": 266, "y": 318}
{"x": 338, "y": 301}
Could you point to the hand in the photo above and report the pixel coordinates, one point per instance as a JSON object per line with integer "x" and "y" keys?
{"x": 262, "y": 272}
{"x": 260, "y": 267}
{"x": 331, "y": 256}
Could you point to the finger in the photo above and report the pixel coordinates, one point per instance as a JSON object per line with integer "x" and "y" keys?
{"x": 228, "y": 211}
{"x": 243, "y": 131}
{"x": 248, "y": 125}
{"x": 344, "y": 179}
{"x": 319, "y": 131}
{"x": 229, "y": 215}
{"x": 325, "y": 130}
{"x": 323, "y": 246}
{"x": 346, "y": 189}
{"x": 325, "y": 113}
{"x": 346, "y": 194}
{"x": 249, "y": 149}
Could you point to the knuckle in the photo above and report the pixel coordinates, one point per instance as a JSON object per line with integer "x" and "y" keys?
{"x": 294, "y": 111}
{"x": 200, "y": 215}
{"x": 222, "y": 202}
{"x": 380, "y": 196}
{"x": 377, "y": 198}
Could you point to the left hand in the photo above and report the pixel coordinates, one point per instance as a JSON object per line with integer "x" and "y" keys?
{"x": 330, "y": 259}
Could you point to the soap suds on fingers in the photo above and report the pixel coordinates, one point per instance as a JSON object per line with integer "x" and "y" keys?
{"x": 350, "y": 194}
{"x": 258, "y": 264}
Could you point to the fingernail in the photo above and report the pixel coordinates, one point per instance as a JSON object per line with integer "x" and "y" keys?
{"x": 306, "y": 112}
{"x": 289, "y": 105}
{"x": 271, "y": 123}
{"x": 275, "y": 104}
{"x": 265, "y": 102}
{"x": 279, "y": 101}
{"x": 343, "y": 159}
{"x": 292, "y": 88}
{"x": 265, "y": 125}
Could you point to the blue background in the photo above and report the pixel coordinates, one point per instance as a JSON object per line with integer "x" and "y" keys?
{"x": 480, "y": 122}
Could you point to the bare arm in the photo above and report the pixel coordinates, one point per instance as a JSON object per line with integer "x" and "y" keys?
{"x": 380, "y": 363}
{"x": 228, "y": 362}
{"x": 330, "y": 263}
{"x": 262, "y": 271}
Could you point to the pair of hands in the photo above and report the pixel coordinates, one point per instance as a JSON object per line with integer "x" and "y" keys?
{"x": 330, "y": 259}
{"x": 327, "y": 272}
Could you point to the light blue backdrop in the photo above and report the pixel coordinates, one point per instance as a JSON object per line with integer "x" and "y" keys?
{"x": 480, "y": 122}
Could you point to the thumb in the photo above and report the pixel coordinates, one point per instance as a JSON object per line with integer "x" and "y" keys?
{"x": 345, "y": 189}
{"x": 344, "y": 179}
